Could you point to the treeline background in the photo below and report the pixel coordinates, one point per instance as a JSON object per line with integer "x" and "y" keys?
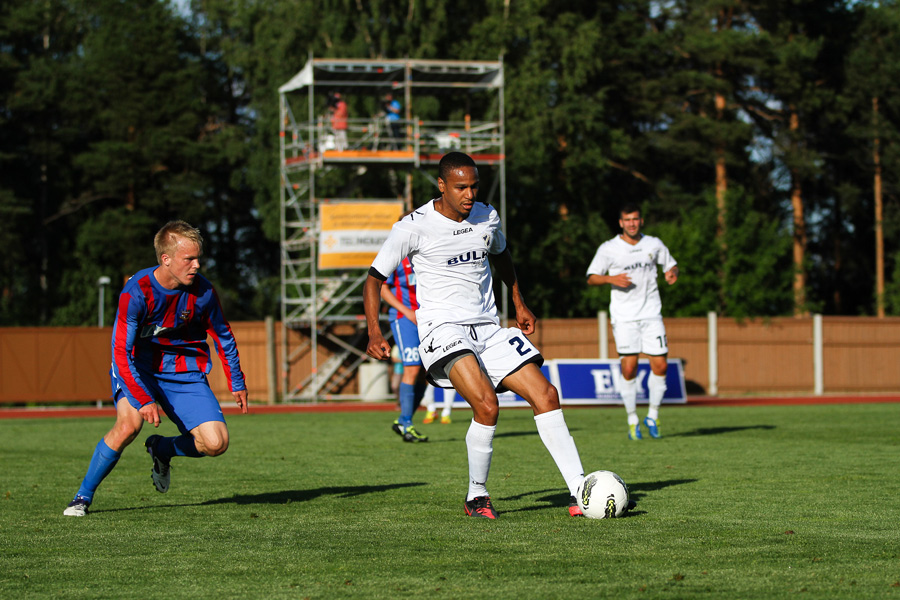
{"x": 761, "y": 139}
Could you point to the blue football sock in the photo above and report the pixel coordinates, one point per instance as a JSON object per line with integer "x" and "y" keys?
{"x": 420, "y": 393}
{"x": 183, "y": 445}
{"x": 407, "y": 403}
{"x": 103, "y": 461}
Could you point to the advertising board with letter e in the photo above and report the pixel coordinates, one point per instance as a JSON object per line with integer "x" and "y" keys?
{"x": 590, "y": 381}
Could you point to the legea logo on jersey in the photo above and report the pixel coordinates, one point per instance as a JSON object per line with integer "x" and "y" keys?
{"x": 462, "y": 231}
{"x": 451, "y": 345}
{"x": 468, "y": 257}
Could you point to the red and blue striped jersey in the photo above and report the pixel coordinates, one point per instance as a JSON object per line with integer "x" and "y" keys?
{"x": 158, "y": 330}
{"x": 402, "y": 283}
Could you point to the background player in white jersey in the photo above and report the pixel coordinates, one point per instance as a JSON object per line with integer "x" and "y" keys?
{"x": 631, "y": 261}
{"x": 450, "y": 241}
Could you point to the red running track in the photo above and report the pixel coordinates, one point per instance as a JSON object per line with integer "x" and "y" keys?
{"x": 109, "y": 411}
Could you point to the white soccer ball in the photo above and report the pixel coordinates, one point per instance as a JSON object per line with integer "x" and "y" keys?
{"x": 602, "y": 495}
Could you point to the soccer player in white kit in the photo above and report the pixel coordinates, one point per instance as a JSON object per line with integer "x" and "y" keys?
{"x": 449, "y": 241}
{"x": 629, "y": 262}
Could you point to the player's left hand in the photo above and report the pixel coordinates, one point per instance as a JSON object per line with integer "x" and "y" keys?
{"x": 378, "y": 348}
{"x": 671, "y": 275}
{"x": 242, "y": 401}
{"x": 150, "y": 413}
{"x": 525, "y": 319}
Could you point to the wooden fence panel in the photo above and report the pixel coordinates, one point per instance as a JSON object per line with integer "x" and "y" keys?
{"x": 688, "y": 340}
{"x": 860, "y": 355}
{"x": 53, "y": 364}
{"x": 765, "y": 356}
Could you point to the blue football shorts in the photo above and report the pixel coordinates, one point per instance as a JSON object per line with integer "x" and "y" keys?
{"x": 406, "y": 334}
{"x": 185, "y": 398}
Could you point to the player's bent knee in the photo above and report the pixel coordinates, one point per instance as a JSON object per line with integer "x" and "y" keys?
{"x": 213, "y": 447}
{"x": 123, "y": 433}
{"x": 211, "y": 439}
{"x": 546, "y": 400}
{"x": 486, "y": 408}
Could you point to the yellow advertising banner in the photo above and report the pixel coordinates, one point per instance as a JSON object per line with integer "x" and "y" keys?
{"x": 352, "y": 232}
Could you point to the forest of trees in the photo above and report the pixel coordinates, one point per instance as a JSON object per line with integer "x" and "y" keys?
{"x": 761, "y": 138}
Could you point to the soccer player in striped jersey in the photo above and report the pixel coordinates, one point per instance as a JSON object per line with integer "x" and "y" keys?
{"x": 399, "y": 292}
{"x": 160, "y": 359}
{"x": 450, "y": 241}
{"x": 629, "y": 263}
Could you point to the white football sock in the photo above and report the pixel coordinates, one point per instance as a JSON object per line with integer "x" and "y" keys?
{"x": 554, "y": 433}
{"x": 656, "y": 385}
{"x": 479, "y": 444}
{"x": 628, "y": 391}
{"x": 428, "y": 399}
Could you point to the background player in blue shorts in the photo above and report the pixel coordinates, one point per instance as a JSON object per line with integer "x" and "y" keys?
{"x": 399, "y": 292}
{"x": 160, "y": 358}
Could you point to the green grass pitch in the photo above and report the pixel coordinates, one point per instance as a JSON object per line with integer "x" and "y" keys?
{"x": 733, "y": 502}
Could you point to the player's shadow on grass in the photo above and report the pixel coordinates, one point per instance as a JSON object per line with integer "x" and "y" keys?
{"x": 289, "y": 496}
{"x": 285, "y": 497}
{"x": 556, "y": 500}
{"x": 640, "y": 490}
{"x": 718, "y": 430}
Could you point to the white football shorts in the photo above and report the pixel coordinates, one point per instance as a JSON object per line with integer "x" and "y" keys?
{"x": 501, "y": 352}
{"x": 647, "y": 336}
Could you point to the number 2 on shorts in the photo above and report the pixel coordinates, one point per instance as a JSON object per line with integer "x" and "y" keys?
{"x": 519, "y": 344}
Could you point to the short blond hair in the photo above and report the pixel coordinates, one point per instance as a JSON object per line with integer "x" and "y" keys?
{"x": 166, "y": 239}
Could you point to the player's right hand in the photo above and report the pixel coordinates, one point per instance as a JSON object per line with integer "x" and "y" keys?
{"x": 379, "y": 348}
{"x": 621, "y": 280}
{"x": 150, "y": 413}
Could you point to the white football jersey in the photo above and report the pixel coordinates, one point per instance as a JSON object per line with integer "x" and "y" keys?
{"x": 640, "y": 300}
{"x": 453, "y": 276}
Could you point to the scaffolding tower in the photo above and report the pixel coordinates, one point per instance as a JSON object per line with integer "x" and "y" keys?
{"x": 323, "y": 306}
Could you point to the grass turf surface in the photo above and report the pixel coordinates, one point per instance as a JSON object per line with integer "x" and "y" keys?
{"x": 733, "y": 502}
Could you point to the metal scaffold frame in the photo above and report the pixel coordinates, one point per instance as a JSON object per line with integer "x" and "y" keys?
{"x": 324, "y": 306}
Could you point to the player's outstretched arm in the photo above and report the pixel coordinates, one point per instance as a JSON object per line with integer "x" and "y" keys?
{"x": 525, "y": 319}
{"x": 378, "y": 346}
{"x": 622, "y": 280}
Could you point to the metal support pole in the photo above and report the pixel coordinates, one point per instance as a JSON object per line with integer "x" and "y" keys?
{"x": 504, "y": 301}
{"x": 271, "y": 363}
{"x": 713, "y": 353}
{"x": 603, "y": 328}
{"x": 102, "y": 282}
{"x": 285, "y": 361}
{"x": 314, "y": 247}
{"x": 818, "y": 365}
